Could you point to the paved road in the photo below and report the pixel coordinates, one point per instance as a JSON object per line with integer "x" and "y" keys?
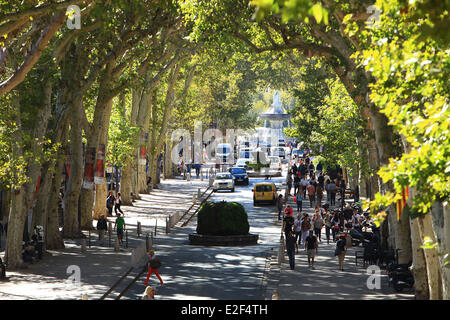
{"x": 200, "y": 272}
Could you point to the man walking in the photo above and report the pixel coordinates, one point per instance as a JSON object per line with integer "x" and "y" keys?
{"x": 120, "y": 225}
{"x": 280, "y": 205}
{"x": 101, "y": 227}
{"x": 290, "y": 248}
{"x": 311, "y": 247}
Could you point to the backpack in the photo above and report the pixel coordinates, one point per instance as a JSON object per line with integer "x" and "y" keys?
{"x": 155, "y": 263}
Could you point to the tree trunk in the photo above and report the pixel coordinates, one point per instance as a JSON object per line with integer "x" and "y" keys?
{"x": 440, "y": 217}
{"x": 72, "y": 196}
{"x": 125, "y": 184}
{"x": 16, "y": 221}
{"x": 432, "y": 259}
{"x": 420, "y": 268}
{"x": 54, "y": 237}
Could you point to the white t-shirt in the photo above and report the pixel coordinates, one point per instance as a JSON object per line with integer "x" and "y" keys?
{"x": 356, "y": 220}
{"x": 304, "y": 182}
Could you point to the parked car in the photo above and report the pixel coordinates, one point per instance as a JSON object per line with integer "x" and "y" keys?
{"x": 240, "y": 175}
{"x": 275, "y": 163}
{"x": 223, "y": 181}
{"x": 265, "y": 192}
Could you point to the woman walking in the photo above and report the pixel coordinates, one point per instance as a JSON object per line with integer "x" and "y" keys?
{"x": 319, "y": 194}
{"x": 327, "y": 221}
{"x": 340, "y": 251}
{"x": 311, "y": 194}
{"x": 118, "y": 204}
{"x": 317, "y": 223}
{"x": 154, "y": 266}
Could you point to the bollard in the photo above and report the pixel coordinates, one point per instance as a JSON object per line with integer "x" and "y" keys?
{"x": 156, "y": 225}
{"x": 89, "y": 239}
{"x": 116, "y": 245}
{"x": 83, "y": 245}
{"x": 167, "y": 226}
{"x": 194, "y": 198}
{"x": 201, "y": 175}
{"x": 139, "y": 229}
{"x": 199, "y": 194}
{"x": 189, "y": 176}
{"x": 126, "y": 238}
{"x": 109, "y": 238}
{"x": 147, "y": 242}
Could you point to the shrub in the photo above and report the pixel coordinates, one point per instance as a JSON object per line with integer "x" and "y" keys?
{"x": 222, "y": 219}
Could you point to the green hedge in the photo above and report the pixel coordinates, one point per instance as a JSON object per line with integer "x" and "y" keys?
{"x": 222, "y": 219}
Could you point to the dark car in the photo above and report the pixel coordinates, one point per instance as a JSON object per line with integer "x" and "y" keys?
{"x": 240, "y": 175}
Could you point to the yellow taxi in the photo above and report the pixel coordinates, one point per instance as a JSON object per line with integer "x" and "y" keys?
{"x": 265, "y": 192}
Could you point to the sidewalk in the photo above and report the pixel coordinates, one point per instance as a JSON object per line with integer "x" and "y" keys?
{"x": 326, "y": 281}
{"x": 100, "y": 266}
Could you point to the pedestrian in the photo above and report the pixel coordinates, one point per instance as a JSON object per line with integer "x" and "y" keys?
{"x": 280, "y": 205}
{"x": 289, "y": 182}
{"x": 149, "y": 293}
{"x": 306, "y": 226}
{"x": 154, "y": 265}
{"x": 288, "y": 221}
{"x": 120, "y": 226}
{"x": 317, "y": 224}
{"x": 38, "y": 238}
{"x": 299, "y": 201}
{"x": 335, "y": 226}
{"x": 101, "y": 227}
{"x": 118, "y": 204}
{"x": 311, "y": 194}
{"x": 332, "y": 188}
{"x": 296, "y": 183}
{"x": 321, "y": 180}
{"x": 356, "y": 220}
{"x": 311, "y": 247}
{"x": 319, "y": 168}
{"x": 298, "y": 230}
{"x": 319, "y": 194}
{"x": 304, "y": 185}
{"x": 327, "y": 190}
{"x": 340, "y": 251}
{"x": 290, "y": 248}
{"x": 110, "y": 203}
{"x": 311, "y": 170}
{"x": 327, "y": 222}
{"x": 288, "y": 211}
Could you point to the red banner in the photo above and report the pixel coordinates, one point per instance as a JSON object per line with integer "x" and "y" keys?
{"x": 89, "y": 169}
{"x": 100, "y": 165}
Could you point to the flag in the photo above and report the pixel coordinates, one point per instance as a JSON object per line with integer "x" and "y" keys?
{"x": 401, "y": 203}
